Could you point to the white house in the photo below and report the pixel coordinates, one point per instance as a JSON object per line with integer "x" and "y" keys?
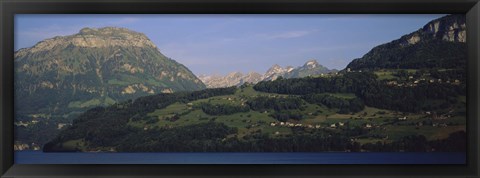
{"x": 61, "y": 125}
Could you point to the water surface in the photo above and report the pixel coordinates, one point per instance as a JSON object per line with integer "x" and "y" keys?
{"x": 38, "y": 157}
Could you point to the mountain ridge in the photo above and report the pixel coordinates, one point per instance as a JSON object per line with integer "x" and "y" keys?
{"x": 447, "y": 34}
{"x": 310, "y": 68}
{"x": 92, "y": 38}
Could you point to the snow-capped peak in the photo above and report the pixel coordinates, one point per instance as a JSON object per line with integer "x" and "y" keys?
{"x": 290, "y": 68}
{"x": 312, "y": 63}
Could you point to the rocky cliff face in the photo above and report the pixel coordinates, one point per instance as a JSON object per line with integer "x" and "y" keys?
{"x": 451, "y": 28}
{"x": 440, "y": 43}
{"x": 94, "y": 67}
{"x": 310, "y": 68}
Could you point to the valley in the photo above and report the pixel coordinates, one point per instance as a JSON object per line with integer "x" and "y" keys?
{"x": 247, "y": 117}
{"x": 111, "y": 90}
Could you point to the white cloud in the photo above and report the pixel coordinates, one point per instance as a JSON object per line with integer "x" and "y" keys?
{"x": 346, "y": 47}
{"x": 287, "y": 35}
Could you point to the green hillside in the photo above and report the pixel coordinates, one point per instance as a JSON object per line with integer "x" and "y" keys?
{"x": 337, "y": 117}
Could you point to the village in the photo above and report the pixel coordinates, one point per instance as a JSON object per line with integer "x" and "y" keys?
{"x": 366, "y": 125}
{"x": 412, "y": 77}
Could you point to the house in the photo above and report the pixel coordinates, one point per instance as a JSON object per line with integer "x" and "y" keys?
{"x": 333, "y": 126}
{"x": 310, "y": 126}
{"x": 272, "y": 124}
{"x": 341, "y": 124}
{"x": 402, "y": 118}
{"x": 21, "y": 123}
{"x": 19, "y": 146}
{"x": 298, "y": 125}
{"x": 36, "y": 147}
{"x": 282, "y": 123}
{"x": 392, "y": 83}
{"x": 61, "y": 125}
{"x": 368, "y": 125}
{"x": 317, "y": 126}
{"x": 277, "y": 132}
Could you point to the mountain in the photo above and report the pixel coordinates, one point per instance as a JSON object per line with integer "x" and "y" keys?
{"x": 67, "y": 74}
{"x": 439, "y": 44}
{"x": 310, "y": 68}
{"x": 231, "y": 79}
{"x": 276, "y": 71}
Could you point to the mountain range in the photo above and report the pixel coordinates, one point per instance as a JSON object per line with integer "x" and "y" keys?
{"x": 310, "y": 68}
{"x": 301, "y": 114}
{"x": 99, "y": 67}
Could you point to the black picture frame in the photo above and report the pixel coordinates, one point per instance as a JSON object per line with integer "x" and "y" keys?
{"x": 9, "y": 8}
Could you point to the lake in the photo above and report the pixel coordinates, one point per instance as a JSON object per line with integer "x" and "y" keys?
{"x": 39, "y": 157}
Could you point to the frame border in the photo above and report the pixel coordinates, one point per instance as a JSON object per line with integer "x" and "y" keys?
{"x": 9, "y": 8}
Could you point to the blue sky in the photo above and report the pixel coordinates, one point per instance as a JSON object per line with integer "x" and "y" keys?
{"x": 219, "y": 44}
